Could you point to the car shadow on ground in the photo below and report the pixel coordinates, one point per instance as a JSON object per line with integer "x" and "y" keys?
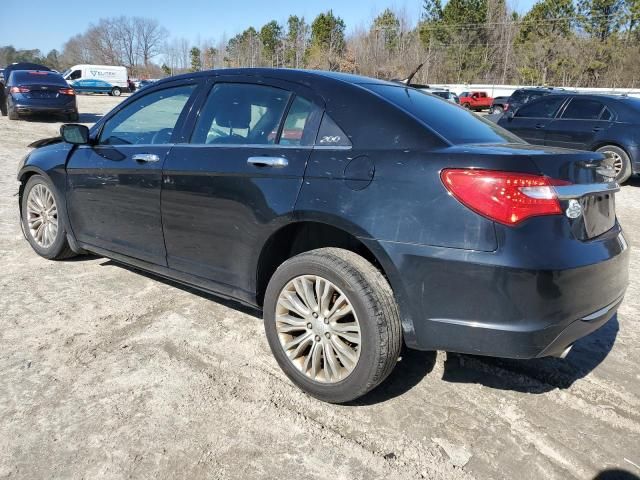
{"x": 535, "y": 376}
{"x": 634, "y": 181}
{"x": 84, "y": 118}
{"x": 411, "y": 368}
{"x": 616, "y": 474}
{"x": 90, "y": 117}
{"x": 528, "y": 376}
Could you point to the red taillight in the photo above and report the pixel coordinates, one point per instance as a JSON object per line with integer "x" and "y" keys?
{"x": 505, "y": 197}
{"x": 19, "y": 90}
{"x": 506, "y": 107}
{"x": 67, "y": 91}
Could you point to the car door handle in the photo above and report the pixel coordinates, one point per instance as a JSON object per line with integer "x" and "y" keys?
{"x": 275, "y": 162}
{"x": 541, "y": 125}
{"x": 146, "y": 157}
{"x": 598, "y": 129}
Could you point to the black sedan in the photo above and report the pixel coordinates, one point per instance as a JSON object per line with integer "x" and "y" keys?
{"x": 359, "y": 215}
{"x": 603, "y": 123}
{"x": 39, "y": 92}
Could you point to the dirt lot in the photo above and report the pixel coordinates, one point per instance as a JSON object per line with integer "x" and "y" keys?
{"x": 109, "y": 373}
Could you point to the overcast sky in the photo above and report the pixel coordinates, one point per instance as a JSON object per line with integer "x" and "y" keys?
{"x": 45, "y": 24}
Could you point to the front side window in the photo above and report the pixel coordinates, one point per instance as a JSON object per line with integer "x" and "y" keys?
{"x": 543, "y": 108}
{"x": 241, "y": 114}
{"x": 75, "y": 75}
{"x": 148, "y": 120}
{"x": 583, "y": 109}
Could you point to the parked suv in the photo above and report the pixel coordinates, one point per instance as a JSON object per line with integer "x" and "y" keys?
{"x": 357, "y": 214}
{"x": 526, "y": 95}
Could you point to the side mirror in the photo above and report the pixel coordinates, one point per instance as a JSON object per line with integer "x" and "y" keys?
{"x": 75, "y": 134}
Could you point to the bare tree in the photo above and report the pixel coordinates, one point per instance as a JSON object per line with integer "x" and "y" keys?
{"x": 150, "y": 36}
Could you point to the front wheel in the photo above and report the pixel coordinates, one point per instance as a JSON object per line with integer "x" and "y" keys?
{"x": 332, "y": 323}
{"x": 115, "y": 91}
{"x": 41, "y": 221}
{"x": 496, "y": 109}
{"x": 466, "y": 105}
{"x": 621, "y": 162}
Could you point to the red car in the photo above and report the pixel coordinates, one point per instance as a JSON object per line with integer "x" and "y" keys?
{"x": 475, "y": 100}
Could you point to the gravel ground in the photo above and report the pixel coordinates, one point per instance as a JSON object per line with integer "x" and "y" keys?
{"x": 109, "y": 373}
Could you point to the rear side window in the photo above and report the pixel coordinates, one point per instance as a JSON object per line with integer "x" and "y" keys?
{"x": 583, "y": 109}
{"x": 331, "y": 135}
{"x": 148, "y": 120}
{"x": 543, "y": 108}
{"x": 241, "y": 114}
{"x": 456, "y": 124}
{"x": 295, "y": 129}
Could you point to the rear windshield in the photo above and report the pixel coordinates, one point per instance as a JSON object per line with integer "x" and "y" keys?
{"x": 456, "y": 124}
{"x": 26, "y": 77}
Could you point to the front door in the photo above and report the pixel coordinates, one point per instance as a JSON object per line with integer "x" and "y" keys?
{"x": 113, "y": 187}
{"x": 237, "y": 180}
{"x": 532, "y": 119}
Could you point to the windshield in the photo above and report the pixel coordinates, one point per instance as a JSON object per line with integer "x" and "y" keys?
{"x": 455, "y": 124}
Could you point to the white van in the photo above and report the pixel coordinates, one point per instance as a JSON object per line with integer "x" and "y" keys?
{"x": 97, "y": 79}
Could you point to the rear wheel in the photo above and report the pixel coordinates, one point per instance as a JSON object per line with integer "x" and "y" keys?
{"x": 13, "y": 115}
{"x": 41, "y": 221}
{"x": 3, "y": 105}
{"x": 73, "y": 117}
{"x": 115, "y": 91}
{"x": 332, "y": 324}
{"x": 621, "y": 162}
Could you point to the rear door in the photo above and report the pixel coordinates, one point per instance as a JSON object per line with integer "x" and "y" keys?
{"x": 238, "y": 178}
{"x": 113, "y": 187}
{"x": 531, "y": 120}
{"x": 578, "y": 124}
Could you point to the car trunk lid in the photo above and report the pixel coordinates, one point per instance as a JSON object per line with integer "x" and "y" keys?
{"x": 588, "y": 198}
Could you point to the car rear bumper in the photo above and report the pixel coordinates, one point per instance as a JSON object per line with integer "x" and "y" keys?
{"x": 484, "y": 303}
{"x": 59, "y": 105}
{"x": 33, "y": 109}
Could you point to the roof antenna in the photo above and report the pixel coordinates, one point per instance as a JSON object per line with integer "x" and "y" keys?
{"x": 407, "y": 81}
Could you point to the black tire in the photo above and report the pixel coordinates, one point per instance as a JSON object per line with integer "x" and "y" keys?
{"x": 59, "y": 249}
{"x": 374, "y": 304}
{"x": 116, "y": 92}
{"x": 626, "y": 170}
{"x": 496, "y": 109}
{"x": 73, "y": 117}
{"x": 466, "y": 105}
{"x": 3, "y": 105}
{"x": 13, "y": 115}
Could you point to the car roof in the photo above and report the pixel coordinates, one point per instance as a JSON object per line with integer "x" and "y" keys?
{"x": 306, "y": 77}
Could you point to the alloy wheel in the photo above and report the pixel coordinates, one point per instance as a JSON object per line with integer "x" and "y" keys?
{"x": 318, "y": 328}
{"x": 42, "y": 215}
{"x": 617, "y": 161}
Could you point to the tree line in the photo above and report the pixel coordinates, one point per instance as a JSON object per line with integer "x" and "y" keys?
{"x": 589, "y": 43}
